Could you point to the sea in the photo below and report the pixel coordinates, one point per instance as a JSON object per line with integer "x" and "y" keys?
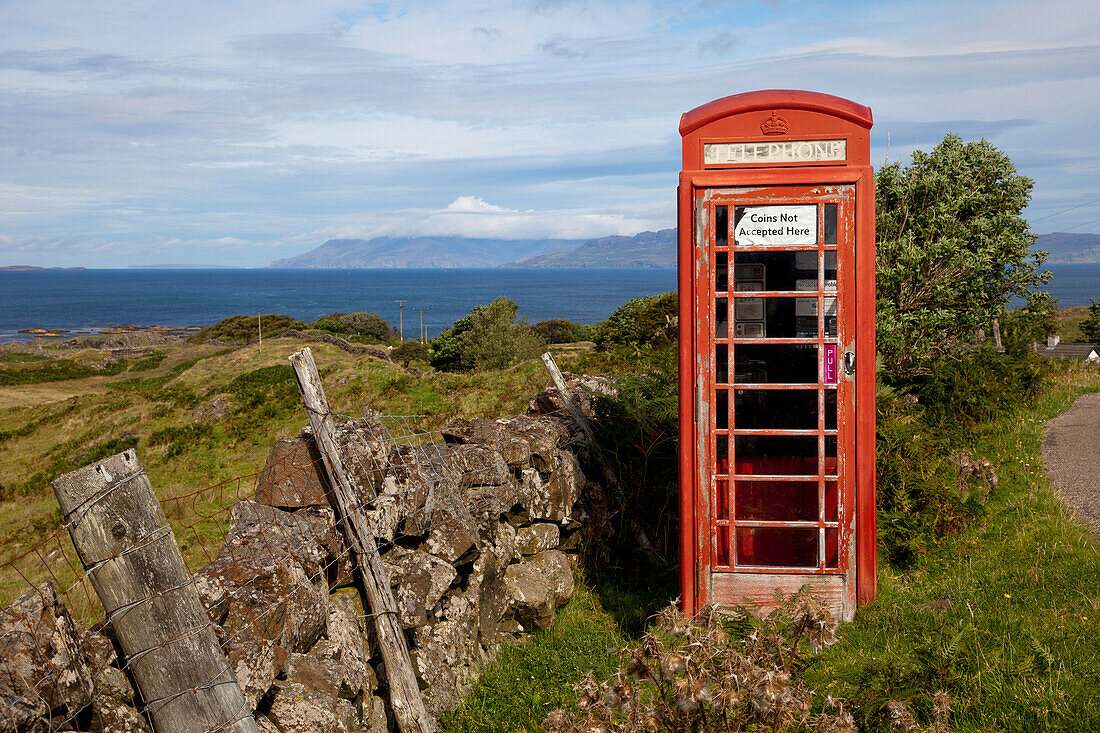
{"x": 89, "y": 300}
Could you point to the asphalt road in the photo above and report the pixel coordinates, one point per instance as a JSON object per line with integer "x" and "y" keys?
{"x": 1071, "y": 453}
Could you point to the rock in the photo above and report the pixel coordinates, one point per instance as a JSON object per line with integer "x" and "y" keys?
{"x": 365, "y": 445}
{"x": 318, "y": 672}
{"x": 581, "y": 386}
{"x": 478, "y": 465}
{"x": 372, "y": 715}
{"x": 111, "y": 714}
{"x": 493, "y": 433}
{"x": 213, "y": 410}
{"x": 255, "y": 662}
{"x": 265, "y": 597}
{"x": 43, "y": 671}
{"x": 493, "y": 600}
{"x": 453, "y": 541}
{"x": 293, "y": 476}
{"x": 297, "y": 708}
{"x": 537, "y": 585}
{"x": 553, "y": 501}
{"x": 348, "y": 623}
{"x": 347, "y": 642}
{"x": 537, "y": 537}
{"x": 419, "y": 581}
{"x": 309, "y": 536}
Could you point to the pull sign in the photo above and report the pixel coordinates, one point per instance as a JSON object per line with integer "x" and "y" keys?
{"x": 775, "y": 225}
{"x": 831, "y": 363}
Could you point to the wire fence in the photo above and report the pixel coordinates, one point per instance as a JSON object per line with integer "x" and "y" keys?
{"x": 265, "y": 550}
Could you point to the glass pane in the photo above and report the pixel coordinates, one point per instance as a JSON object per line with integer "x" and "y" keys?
{"x": 830, "y": 224}
{"x": 830, "y": 409}
{"x": 721, "y": 318}
{"x": 776, "y": 409}
{"x": 832, "y": 548}
{"x": 771, "y": 318}
{"x": 830, "y": 265}
{"x": 830, "y": 455}
{"x": 721, "y": 363}
{"x": 777, "y": 546}
{"x": 780, "y": 455}
{"x": 831, "y": 507}
{"x": 722, "y": 450}
{"x": 787, "y": 501}
{"x": 723, "y": 545}
{"x": 721, "y": 499}
{"x": 776, "y": 270}
{"x": 721, "y": 409}
{"x": 721, "y": 226}
{"x": 775, "y": 364}
{"x": 721, "y": 271}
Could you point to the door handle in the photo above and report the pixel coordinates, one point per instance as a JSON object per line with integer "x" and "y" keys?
{"x": 849, "y": 363}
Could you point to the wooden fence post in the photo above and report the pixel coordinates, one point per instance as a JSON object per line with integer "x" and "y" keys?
{"x": 408, "y": 705}
{"x": 610, "y": 477}
{"x": 128, "y": 550}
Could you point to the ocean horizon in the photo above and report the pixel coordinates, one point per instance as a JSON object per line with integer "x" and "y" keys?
{"x": 88, "y": 300}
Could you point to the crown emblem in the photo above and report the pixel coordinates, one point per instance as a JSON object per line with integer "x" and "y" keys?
{"x": 774, "y": 125}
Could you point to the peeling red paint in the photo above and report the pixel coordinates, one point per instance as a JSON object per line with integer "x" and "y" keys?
{"x": 749, "y": 517}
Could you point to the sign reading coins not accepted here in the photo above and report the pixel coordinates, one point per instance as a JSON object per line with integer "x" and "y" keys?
{"x": 775, "y": 225}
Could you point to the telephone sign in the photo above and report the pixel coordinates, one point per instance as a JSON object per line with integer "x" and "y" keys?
{"x": 777, "y": 351}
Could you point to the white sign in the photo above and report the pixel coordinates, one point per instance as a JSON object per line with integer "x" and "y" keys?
{"x": 787, "y": 151}
{"x": 776, "y": 225}
{"x": 808, "y": 306}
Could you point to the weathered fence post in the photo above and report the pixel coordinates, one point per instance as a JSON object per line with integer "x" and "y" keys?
{"x": 128, "y": 550}
{"x": 610, "y": 477}
{"x": 408, "y": 705}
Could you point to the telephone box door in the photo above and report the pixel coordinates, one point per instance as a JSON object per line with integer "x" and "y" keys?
{"x": 775, "y": 353}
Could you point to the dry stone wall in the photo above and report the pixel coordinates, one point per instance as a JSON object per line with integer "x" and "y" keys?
{"x": 477, "y": 534}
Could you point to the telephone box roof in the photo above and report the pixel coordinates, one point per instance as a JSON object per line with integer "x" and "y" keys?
{"x": 773, "y": 99}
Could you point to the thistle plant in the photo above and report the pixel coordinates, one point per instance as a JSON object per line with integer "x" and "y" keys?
{"x": 693, "y": 675}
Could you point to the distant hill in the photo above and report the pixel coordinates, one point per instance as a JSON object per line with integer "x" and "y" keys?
{"x": 30, "y": 268}
{"x": 647, "y": 249}
{"x": 1066, "y": 248}
{"x": 401, "y": 252}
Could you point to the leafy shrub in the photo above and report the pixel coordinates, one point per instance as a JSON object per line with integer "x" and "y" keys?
{"x": 150, "y": 362}
{"x": 979, "y": 384}
{"x": 639, "y": 321}
{"x": 1032, "y": 322}
{"x": 490, "y": 337}
{"x": 1090, "y": 327}
{"x": 59, "y": 370}
{"x": 245, "y": 329}
{"x": 181, "y": 438}
{"x": 953, "y": 248}
{"x": 410, "y": 351}
{"x": 558, "y": 331}
{"x": 370, "y": 325}
{"x": 637, "y": 428}
{"x": 267, "y": 384}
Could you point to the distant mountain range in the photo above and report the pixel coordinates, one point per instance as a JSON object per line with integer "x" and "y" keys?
{"x": 1068, "y": 248}
{"x": 647, "y": 249}
{"x": 423, "y": 252}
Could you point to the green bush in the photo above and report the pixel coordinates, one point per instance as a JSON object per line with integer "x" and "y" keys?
{"x": 1090, "y": 327}
{"x": 953, "y": 248}
{"x": 637, "y": 428}
{"x": 410, "y": 351}
{"x": 558, "y": 331}
{"x": 978, "y": 385}
{"x": 370, "y": 325}
{"x": 639, "y": 321}
{"x": 245, "y": 329}
{"x": 490, "y": 337}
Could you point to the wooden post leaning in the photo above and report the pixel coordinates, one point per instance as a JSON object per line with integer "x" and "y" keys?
{"x": 408, "y": 705}
{"x": 575, "y": 411}
{"x": 128, "y": 550}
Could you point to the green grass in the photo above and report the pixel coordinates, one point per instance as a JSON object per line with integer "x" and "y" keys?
{"x": 1016, "y": 648}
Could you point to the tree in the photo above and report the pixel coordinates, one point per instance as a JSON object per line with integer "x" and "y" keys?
{"x": 638, "y": 321}
{"x": 953, "y": 248}
{"x": 370, "y": 325}
{"x": 1090, "y": 327}
{"x": 490, "y": 337}
{"x": 409, "y": 351}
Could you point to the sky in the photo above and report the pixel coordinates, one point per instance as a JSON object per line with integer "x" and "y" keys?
{"x": 237, "y": 133}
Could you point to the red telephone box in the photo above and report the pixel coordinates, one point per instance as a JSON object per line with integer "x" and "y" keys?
{"x": 777, "y": 350}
